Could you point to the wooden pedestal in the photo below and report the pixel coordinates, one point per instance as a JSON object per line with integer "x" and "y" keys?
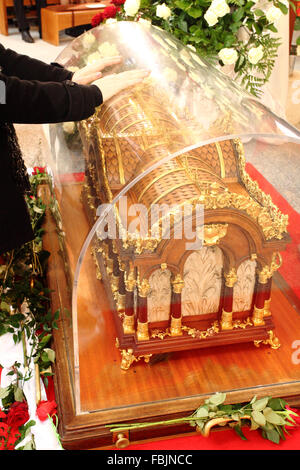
{"x": 57, "y": 18}
{"x": 147, "y": 392}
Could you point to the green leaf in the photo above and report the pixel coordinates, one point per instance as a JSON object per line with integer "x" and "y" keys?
{"x": 277, "y": 404}
{"x": 273, "y": 435}
{"x": 260, "y": 404}
{"x": 284, "y": 9}
{"x": 239, "y": 432}
{"x": 5, "y": 306}
{"x": 258, "y": 417}
{"x": 298, "y": 41}
{"x": 259, "y": 12}
{"x": 238, "y": 14}
{"x": 18, "y": 394}
{"x": 195, "y": 12}
{"x": 217, "y": 398}
{"x": 202, "y": 412}
{"x": 272, "y": 417}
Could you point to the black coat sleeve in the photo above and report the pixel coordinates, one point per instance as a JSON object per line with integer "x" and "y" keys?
{"x": 35, "y": 102}
{"x": 26, "y": 68}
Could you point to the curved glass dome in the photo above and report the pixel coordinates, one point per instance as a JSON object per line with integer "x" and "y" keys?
{"x": 186, "y": 133}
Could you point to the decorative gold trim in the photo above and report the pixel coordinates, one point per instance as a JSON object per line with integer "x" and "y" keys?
{"x": 257, "y": 316}
{"x": 213, "y": 233}
{"x": 273, "y": 341}
{"x": 178, "y": 284}
{"x": 128, "y": 358}
{"x": 175, "y": 328}
{"x": 226, "y": 320}
{"x": 114, "y": 283}
{"x": 142, "y": 331}
{"x": 121, "y": 302}
{"x": 230, "y": 278}
{"x": 267, "y": 271}
{"x": 221, "y": 160}
{"x": 144, "y": 288}
{"x": 130, "y": 281}
{"x": 128, "y": 324}
{"x": 267, "y": 308}
{"x": 120, "y": 161}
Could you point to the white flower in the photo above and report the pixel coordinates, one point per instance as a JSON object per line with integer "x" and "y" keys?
{"x": 273, "y": 14}
{"x": 87, "y": 40}
{"x": 228, "y": 56}
{"x": 144, "y": 22}
{"x": 69, "y": 127}
{"x": 163, "y": 11}
{"x": 131, "y": 7}
{"x": 255, "y": 54}
{"x": 107, "y": 49}
{"x": 210, "y": 17}
{"x": 111, "y": 21}
{"x": 219, "y": 8}
{"x": 92, "y": 58}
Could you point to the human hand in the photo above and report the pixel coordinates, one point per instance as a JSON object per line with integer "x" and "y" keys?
{"x": 116, "y": 82}
{"x": 92, "y": 72}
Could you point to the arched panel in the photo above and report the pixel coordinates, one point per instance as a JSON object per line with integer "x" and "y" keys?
{"x": 244, "y": 287}
{"x": 202, "y": 281}
{"x": 159, "y": 297}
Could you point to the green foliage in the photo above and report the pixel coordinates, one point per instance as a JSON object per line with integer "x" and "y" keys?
{"x": 269, "y": 415}
{"x": 188, "y": 24}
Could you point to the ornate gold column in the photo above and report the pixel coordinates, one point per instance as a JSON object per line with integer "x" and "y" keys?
{"x": 142, "y": 314}
{"x": 128, "y": 320}
{"x": 176, "y": 318}
{"x": 122, "y": 288}
{"x": 226, "y": 318}
{"x": 263, "y": 295}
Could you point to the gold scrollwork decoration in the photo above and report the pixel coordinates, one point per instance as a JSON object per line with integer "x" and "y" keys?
{"x": 273, "y": 341}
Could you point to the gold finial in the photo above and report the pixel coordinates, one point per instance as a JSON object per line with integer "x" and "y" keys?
{"x": 130, "y": 281}
{"x": 267, "y": 271}
{"x": 144, "y": 288}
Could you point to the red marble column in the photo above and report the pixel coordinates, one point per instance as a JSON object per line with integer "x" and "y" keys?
{"x": 176, "y": 318}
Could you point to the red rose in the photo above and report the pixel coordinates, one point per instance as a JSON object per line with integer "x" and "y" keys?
{"x": 118, "y": 2}
{"x": 110, "y": 11}
{"x": 46, "y": 408}
{"x": 97, "y": 19}
{"x": 38, "y": 169}
{"x": 2, "y": 414}
{"x": 17, "y": 414}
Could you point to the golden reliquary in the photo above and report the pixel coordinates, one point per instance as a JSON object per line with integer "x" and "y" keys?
{"x": 166, "y": 296}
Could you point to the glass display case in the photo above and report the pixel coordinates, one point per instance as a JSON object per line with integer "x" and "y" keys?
{"x": 176, "y": 241}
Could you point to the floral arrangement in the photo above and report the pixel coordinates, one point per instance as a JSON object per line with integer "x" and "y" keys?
{"x": 271, "y": 415}
{"x": 25, "y": 314}
{"x": 239, "y": 33}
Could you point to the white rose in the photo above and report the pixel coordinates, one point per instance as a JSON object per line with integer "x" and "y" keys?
{"x": 255, "y": 54}
{"x": 163, "y": 11}
{"x": 219, "y": 8}
{"x": 111, "y": 21}
{"x": 69, "y": 127}
{"x": 210, "y": 17}
{"x": 228, "y": 56}
{"x": 273, "y": 14}
{"x": 87, "y": 40}
{"x": 131, "y": 7}
{"x": 92, "y": 58}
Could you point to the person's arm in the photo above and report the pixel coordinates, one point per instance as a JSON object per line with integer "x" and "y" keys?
{"x": 34, "y": 102}
{"x": 18, "y": 65}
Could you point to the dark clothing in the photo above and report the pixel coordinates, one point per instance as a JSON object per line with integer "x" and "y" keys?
{"x": 22, "y": 21}
{"x": 35, "y": 93}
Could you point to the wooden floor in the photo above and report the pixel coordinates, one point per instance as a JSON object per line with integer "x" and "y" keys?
{"x": 104, "y": 386}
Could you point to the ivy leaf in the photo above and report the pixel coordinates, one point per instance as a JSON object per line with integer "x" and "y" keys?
{"x": 259, "y": 405}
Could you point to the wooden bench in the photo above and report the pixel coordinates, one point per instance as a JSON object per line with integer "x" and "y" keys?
{"x": 59, "y": 17}
{"x": 4, "y": 4}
